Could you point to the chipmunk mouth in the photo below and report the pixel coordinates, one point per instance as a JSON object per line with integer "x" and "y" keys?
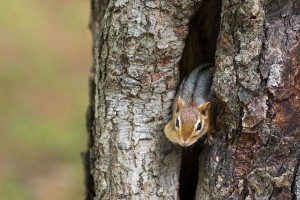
{"x": 184, "y": 144}
{"x": 187, "y": 143}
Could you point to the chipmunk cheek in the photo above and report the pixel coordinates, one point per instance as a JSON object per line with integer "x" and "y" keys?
{"x": 192, "y": 141}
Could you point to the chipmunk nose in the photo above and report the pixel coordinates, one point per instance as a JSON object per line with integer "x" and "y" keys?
{"x": 185, "y": 144}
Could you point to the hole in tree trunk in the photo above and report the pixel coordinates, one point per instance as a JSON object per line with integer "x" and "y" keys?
{"x": 200, "y": 48}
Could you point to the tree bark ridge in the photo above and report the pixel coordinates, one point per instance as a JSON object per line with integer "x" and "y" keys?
{"x": 137, "y": 51}
{"x": 257, "y": 82}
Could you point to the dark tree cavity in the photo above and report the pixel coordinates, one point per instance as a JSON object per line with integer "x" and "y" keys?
{"x": 200, "y": 47}
{"x": 141, "y": 51}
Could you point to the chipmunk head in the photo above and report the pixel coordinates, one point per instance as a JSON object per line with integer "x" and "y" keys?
{"x": 191, "y": 121}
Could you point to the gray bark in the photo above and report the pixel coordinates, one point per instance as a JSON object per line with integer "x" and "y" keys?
{"x": 137, "y": 49}
{"x": 136, "y": 52}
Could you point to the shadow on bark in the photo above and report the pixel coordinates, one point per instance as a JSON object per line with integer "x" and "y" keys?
{"x": 200, "y": 48}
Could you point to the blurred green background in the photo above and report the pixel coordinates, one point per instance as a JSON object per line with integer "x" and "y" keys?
{"x": 45, "y": 58}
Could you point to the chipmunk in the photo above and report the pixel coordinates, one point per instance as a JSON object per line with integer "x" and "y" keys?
{"x": 193, "y": 109}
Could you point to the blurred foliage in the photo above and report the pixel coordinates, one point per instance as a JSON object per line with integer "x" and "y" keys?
{"x": 45, "y": 57}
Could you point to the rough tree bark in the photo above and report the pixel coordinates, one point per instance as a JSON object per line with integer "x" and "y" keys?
{"x": 141, "y": 47}
{"x": 256, "y": 155}
{"x": 136, "y": 56}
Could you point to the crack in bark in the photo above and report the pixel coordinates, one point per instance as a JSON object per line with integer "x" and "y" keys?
{"x": 200, "y": 48}
{"x": 294, "y": 185}
{"x": 229, "y": 148}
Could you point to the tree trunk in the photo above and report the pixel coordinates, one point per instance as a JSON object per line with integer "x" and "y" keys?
{"x": 136, "y": 56}
{"x": 141, "y": 48}
{"x": 256, "y": 154}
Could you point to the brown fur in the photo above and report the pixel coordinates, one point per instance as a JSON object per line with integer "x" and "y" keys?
{"x": 189, "y": 114}
{"x": 189, "y": 117}
{"x": 192, "y": 104}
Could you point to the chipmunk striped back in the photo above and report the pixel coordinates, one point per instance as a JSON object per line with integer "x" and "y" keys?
{"x": 191, "y": 109}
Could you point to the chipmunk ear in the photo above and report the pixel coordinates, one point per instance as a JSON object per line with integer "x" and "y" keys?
{"x": 204, "y": 108}
{"x": 180, "y": 103}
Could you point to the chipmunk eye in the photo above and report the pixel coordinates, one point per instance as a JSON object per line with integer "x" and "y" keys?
{"x": 177, "y": 123}
{"x": 199, "y": 126}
